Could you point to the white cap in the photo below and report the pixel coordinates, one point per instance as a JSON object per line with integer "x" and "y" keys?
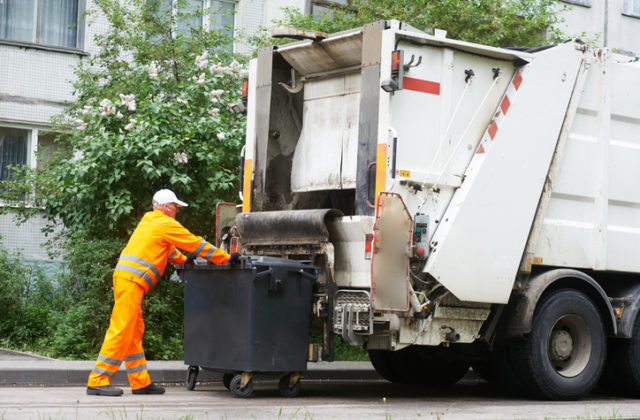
{"x": 168, "y": 196}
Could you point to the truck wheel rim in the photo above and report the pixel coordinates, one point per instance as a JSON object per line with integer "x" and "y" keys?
{"x": 569, "y": 345}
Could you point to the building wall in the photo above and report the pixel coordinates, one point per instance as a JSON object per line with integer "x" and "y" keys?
{"x": 35, "y": 83}
{"x": 604, "y": 20}
{"x": 251, "y": 15}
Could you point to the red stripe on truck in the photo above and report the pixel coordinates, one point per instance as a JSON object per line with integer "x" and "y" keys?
{"x": 493, "y": 129}
{"x": 517, "y": 80}
{"x": 419, "y": 85}
{"x": 505, "y": 104}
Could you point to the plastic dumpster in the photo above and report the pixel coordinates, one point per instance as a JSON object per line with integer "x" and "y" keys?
{"x": 247, "y": 319}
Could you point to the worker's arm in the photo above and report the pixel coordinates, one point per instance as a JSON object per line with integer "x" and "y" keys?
{"x": 195, "y": 246}
{"x": 177, "y": 257}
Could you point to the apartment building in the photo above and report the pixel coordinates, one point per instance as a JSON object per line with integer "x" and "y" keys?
{"x": 611, "y": 23}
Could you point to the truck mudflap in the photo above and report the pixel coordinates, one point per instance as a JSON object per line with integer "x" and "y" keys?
{"x": 291, "y": 227}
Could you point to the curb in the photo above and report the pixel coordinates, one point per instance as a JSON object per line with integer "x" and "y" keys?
{"x": 50, "y": 372}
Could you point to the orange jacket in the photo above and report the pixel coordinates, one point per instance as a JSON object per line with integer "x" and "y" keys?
{"x": 154, "y": 243}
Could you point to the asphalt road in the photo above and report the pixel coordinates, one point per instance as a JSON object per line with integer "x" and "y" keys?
{"x": 470, "y": 399}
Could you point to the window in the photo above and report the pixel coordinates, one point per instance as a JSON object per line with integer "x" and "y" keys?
{"x": 45, "y": 22}
{"x": 196, "y": 14}
{"x": 49, "y": 147}
{"x": 221, "y": 16}
{"x": 631, "y": 7}
{"x": 323, "y": 6}
{"x": 13, "y": 150}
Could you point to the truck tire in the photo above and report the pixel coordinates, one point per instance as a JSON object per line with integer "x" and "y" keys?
{"x": 419, "y": 365}
{"x": 622, "y": 370}
{"x": 431, "y": 366}
{"x": 381, "y": 361}
{"x": 498, "y": 370}
{"x": 563, "y": 356}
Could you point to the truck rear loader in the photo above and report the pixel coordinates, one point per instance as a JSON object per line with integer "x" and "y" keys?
{"x": 466, "y": 205}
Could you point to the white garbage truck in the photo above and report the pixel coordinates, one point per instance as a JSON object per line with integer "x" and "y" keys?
{"x": 467, "y": 205}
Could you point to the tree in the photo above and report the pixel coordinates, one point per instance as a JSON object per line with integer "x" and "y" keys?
{"x": 501, "y": 23}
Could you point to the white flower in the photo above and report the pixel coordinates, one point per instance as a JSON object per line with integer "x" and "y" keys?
{"x": 129, "y": 101}
{"x": 132, "y": 123}
{"x": 81, "y": 125}
{"x": 106, "y": 108}
{"x": 152, "y": 69}
{"x": 243, "y": 74}
{"x": 215, "y": 94}
{"x": 119, "y": 115}
{"x": 221, "y": 136}
{"x": 235, "y": 66}
{"x": 201, "y": 61}
{"x": 182, "y": 101}
{"x": 201, "y": 79}
{"x": 218, "y": 68}
{"x": 214, "y": 112}
{"x": 180, "y": 157}
{"x": 86, "y": 109}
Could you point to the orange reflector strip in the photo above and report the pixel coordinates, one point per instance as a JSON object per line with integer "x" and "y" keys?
{"x": 246, "y": 186}
{"x": 381, "y": 169}
{"x": 245, "y": 89}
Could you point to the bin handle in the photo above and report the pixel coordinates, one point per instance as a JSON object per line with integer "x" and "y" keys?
{"x": 275, "y": 284}
{"x": 264, "y": 273}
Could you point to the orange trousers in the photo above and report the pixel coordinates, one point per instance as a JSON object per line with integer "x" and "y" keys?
{"x": 123, "y": 340}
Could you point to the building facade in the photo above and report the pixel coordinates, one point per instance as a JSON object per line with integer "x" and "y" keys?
{"x": 610, "y": 23}
{"x": 41, "y": 42}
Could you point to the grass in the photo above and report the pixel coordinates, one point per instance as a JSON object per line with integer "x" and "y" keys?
{"x": 343, "y": 351}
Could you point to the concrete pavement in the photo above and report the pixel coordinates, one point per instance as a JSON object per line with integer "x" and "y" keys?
{"x": 23, "y": 369}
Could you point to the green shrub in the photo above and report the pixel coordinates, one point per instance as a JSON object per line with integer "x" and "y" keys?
{"x": 25, "y": 322}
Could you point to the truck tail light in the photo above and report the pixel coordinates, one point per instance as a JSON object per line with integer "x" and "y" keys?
{"x": 368, "y": 246}
{"x": 397, "y": 72}
{"x": 395, "y": 61}
{"x": 233, "y": 245}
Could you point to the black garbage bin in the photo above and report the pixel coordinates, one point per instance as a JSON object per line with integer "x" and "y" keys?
{"x": 247, "y": 319}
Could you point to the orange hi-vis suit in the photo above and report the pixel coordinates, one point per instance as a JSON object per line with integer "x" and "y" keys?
{"x": 154, "y": 243}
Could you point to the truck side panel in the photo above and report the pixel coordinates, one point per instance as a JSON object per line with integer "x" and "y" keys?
{"x": 593, "y": 214}
{"x": 478, "y": 245}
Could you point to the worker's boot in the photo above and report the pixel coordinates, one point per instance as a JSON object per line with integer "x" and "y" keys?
{"x": 149, "y": 389}
{"x": 106, "y": 391}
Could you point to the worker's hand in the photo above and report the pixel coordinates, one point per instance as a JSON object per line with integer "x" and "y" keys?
{"x": 235, "y": 258}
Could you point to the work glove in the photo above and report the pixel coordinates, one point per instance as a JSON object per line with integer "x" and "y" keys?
{"x": 235, "y": 258}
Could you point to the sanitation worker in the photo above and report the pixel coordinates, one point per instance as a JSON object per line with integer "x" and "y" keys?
{"x": 154, "y": 242}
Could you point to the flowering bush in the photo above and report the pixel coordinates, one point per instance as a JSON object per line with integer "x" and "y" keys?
{"x": 152, "y": 112}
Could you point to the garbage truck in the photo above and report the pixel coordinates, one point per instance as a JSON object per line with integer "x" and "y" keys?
{"x": 465, "y": 205}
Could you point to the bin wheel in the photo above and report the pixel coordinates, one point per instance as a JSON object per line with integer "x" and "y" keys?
{"x": 286, "y": 390}
{"x": 226, "y": 380}
{"x": 236, "y": 387}
{"x": 192, "y": 375}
